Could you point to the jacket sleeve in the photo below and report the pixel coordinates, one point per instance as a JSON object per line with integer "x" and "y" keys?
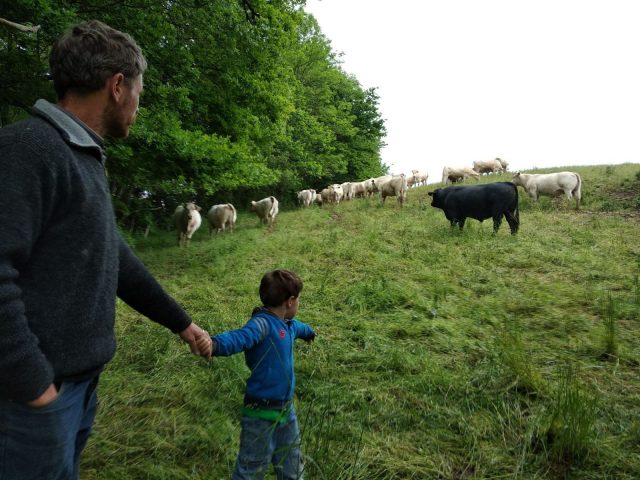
{"x": 27, "y": 197}
{"x": 141, "y": 291}
{"x": 235, "y": 341}
{"x": 303, "y": 331}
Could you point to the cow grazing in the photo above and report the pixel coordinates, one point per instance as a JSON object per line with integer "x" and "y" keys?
{"x": 489, "y": 166}
{"x": 394, "y": 187}
{"x": 221, "y": 217}
{"x": 492, "y": 200}
{"x": 551, "y": 184}
{"x": 456, "y": 174}
{"x": 306, "y": 197}
{"x": 187, "y": 220}
{"x": 266, "y": 209}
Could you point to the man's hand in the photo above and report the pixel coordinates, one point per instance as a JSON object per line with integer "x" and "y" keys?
{"x": 49, "y": 395}
{"x": 199, "y": 341}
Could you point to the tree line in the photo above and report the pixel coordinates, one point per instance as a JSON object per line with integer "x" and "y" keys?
{"x": 243, "y": 99}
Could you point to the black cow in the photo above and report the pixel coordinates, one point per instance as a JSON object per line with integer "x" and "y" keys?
{"x": 491, "y": 200}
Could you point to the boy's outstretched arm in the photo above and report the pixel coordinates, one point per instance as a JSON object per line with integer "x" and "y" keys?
{"x": 304, "y": 331}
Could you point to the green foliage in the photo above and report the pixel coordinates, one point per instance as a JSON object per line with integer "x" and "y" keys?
{"x": 242, "y": 99}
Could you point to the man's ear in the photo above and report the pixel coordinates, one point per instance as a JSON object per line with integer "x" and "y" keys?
{"x": 115, "y": 86}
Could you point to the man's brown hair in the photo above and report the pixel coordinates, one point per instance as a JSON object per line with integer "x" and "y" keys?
{"x": 278, "y": 286}
{"x": 84, "y": 57}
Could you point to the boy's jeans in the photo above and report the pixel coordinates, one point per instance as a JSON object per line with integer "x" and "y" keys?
{"x": 46, "y": 442}
{"x": 263, "y": 442}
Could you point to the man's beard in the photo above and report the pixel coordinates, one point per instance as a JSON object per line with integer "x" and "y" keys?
{"x": 114, "y": 125}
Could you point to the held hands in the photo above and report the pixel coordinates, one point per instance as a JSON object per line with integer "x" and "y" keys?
{"x": 199, "y": 340}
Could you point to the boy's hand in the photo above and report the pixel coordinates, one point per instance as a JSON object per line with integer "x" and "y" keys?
{"x": 310, "y": 339}
{"x": 205, "y": 345}
{"x": 199, "y": 341}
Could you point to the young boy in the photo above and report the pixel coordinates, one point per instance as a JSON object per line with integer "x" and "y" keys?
{"x": 270, "y": 432}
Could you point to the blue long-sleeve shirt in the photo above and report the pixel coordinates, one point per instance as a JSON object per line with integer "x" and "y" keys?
{"x": 267, "y": 342}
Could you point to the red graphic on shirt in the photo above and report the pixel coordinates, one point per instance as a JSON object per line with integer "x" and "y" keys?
{"x": 282, "y": 333}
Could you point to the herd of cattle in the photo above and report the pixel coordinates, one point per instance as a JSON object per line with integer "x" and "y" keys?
{"x": 491, "y": 200}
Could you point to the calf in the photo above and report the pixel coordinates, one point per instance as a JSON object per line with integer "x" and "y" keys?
{"x": 492, "y": 200}
{"x": 187, "y": 220}
{"x": 551, "y": 184}
{"x": 221, "y": 217}
{"x": 266, "y": 209}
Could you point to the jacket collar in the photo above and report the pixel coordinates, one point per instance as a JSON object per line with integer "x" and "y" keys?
{"x": 74, "y": 130}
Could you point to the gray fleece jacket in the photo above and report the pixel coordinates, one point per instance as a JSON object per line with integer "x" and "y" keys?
{"x": 62, "y": 260}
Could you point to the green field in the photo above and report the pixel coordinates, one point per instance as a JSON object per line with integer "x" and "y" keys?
{"x": 440, "y": 354}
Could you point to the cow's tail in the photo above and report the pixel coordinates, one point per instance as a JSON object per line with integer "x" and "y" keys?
{"x": 233, "y": 209}
{"x": 272, "y": 210}
{"x": 577, "y": 191}
{"x": 515, "y": 215}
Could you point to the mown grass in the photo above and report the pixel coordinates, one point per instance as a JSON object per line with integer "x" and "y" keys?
{"x": 440, "y": 354}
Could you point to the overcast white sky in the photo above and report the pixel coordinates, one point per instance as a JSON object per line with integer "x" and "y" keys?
{"x": 538, "y": 83}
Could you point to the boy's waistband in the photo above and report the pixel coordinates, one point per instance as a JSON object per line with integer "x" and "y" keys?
{"x": 279, "y": 416}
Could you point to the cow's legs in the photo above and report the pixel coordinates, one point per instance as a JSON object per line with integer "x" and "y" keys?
{"x": 461, "y": 222}
{"x": 497, "y": 220}
{"x": 513, "y": 222}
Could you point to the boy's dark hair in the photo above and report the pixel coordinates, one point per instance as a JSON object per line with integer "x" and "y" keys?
{"x": 278, "y": 286}
{"x": 84, "y": 57}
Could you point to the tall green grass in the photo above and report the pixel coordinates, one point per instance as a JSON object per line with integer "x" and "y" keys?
{"x": 440, "y": 354}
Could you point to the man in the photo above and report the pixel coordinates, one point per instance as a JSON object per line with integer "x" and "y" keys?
{"x": 62, "y": 260}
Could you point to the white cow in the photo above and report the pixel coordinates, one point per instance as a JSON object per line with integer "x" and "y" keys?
{"x": 489, "y": 166}
{"x": 371, "y": 186}
{"x": 306, "y": 197}
{"x": 347, "y": 193}
{"x": 455, "y": 174}
{"x": 359, "y": 189}
{"x": 394, "y": 187}
{"x": 551, "y": 184}
{"x": 187, "y": 220}
{"x": 421, "y": 177}
{"x": 337, "y": 193}
{"x": 221, "y": 217}
{"x": 411, "y": 180}
{"x": 379, "y": 181}
{"x": 266, "y": 209}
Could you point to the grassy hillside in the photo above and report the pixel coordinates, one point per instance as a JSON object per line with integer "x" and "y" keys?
{"x": 440, "y": 354}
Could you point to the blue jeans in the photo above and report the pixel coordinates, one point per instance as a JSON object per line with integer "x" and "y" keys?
{"x": 263, "y": 442}
{"x": 45, "y": 443}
